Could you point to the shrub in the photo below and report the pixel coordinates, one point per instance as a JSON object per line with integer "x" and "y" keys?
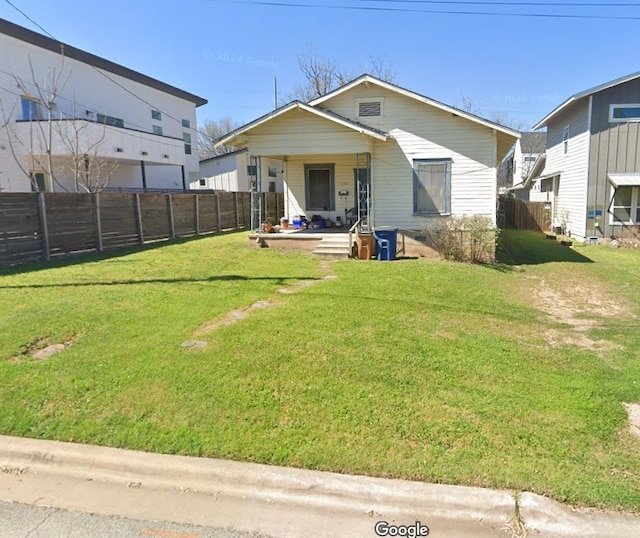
{"x": 629, "y": 237}
{"x": 464, "y": 239}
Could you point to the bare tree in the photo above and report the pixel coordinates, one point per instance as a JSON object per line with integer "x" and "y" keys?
{"x": 506, "y": 120}
{"x": 48, "y": 125}
{"x": 469, "y": 104}
{"x": 87, "y": 169}
{"x": 321, "y": 75}
{"x": 324, "y": 75}
{"x": 37, "y": 145}
{"x": 213, "y": 130}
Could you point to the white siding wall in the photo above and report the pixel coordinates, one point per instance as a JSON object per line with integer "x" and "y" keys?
{"x": 423, "y": 132}
{"x": 572, "y": 189}
{"x": 302, "y": 133}
{"x": 295, "y": 179}
{"x": 221, "y": 173}
{"x": 229, "y": 173}
{"x": 86, "y": 93}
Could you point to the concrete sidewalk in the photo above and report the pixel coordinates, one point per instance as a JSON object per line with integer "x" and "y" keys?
{"x": 276, "y": 501}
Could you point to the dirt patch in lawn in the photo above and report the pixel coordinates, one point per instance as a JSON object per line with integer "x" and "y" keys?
{"x": 40, "y": 350}
{"x": 633, "y": 410}
{"x": 236, "y": 315}
{"x": 581, "y": 308}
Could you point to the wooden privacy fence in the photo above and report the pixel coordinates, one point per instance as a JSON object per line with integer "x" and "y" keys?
{"x": 39, "y": 226}
{"x": 523, "y": 215}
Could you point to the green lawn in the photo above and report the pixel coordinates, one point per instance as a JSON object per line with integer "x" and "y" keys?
{"x": 511, "y": 376}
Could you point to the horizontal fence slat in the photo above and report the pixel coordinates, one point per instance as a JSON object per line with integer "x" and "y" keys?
{"x": 72, "y": 227}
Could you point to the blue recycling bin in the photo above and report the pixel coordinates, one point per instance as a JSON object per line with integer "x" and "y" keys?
{"x": 386, "y": 240}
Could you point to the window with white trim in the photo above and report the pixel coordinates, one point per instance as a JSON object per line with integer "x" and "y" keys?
{"x": 369, "y": 107}
{"x": 565, "y": 140}
{"x": 626, "y": 205}
{"x": 431, "y": 186}
{"x": 624, "y": 113}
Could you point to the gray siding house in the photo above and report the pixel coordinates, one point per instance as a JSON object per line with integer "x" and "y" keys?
{"x": 592, "y": 167}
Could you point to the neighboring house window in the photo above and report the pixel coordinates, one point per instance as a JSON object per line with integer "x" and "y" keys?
{"x": 431, "y": 186}
{"x": 203, "y": 182}
{"x": 369, "y": 108}
{"x": 156, "y": 115}
{"x": 187, "y": 143}
{"x": 110, "y": 120}
{"x": 565, "y": 140}
{"x": 252, "y": 170}
{"x": 38, "y": 182}
{"x": 626, "y": 205}
{"x": 319, "y": 181}
{"x": 546, "y": 185}
{"x": 30, "y": 108}
{"x": 529, "y": 159}
{"x": 624, "y": 113}
{"x": 157, "y": 129}
{"x": 273, "y": 172}
{"x": 272, "y": 186}
{"x": 186, "y": 124}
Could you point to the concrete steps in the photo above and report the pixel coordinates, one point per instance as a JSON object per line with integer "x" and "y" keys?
{"x": 336, "y": 246}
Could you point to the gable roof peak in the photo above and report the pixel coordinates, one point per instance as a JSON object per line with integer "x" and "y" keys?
{"x": 586, "y": 93}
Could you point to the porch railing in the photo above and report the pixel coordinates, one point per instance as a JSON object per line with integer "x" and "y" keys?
{"x": 351, "y": 232}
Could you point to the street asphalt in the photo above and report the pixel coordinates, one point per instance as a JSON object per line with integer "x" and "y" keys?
{"x": 207, "y": 495}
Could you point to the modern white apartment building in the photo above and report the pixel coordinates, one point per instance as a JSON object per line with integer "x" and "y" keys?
{"x": 72, "y": 121}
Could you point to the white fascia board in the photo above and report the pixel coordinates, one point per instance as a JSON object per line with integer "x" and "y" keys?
{"x": 301, "y": 106}
{"x": 412, "y": 95}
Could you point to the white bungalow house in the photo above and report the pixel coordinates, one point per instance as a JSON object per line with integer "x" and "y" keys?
{"x": 399, "y": 158}
{"x": 234, "y": 172}
{"x": 72, "y": 121}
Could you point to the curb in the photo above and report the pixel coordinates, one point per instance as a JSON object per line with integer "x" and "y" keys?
{"x": 458, "y": 510}
{"x": 550, "y": 518}
{"x": 300, "y": 488}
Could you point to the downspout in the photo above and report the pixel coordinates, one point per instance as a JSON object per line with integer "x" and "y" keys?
{"x": 144, "y": 176}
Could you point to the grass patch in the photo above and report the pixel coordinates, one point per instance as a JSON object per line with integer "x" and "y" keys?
{"x": 417, "y": 369}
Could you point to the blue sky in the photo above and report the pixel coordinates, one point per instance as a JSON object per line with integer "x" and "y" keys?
{"x": 230, "y": 51}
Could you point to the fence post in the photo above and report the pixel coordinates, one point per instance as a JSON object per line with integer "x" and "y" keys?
{"x": 139, "y": 219}
{"x": 218, "y": 220}
{"x": 235, "y": 202}
{"x": 197, "y": 199}
{"x": 172, "y": 226}
{"x": 42, "y": 210}
{"x": 98, "y": 222}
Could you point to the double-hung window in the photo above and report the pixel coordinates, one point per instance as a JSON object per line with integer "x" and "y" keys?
{"x": 626, "y": 205}
{"x": 431, "y": 186}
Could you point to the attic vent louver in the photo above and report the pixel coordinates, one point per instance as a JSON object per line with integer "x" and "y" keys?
{"x": 369, "y": 108}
